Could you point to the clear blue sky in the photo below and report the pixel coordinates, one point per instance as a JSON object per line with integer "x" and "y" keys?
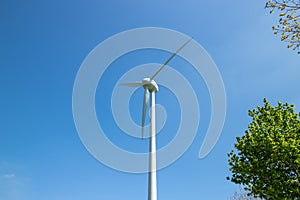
{"x": 42, "y": 45}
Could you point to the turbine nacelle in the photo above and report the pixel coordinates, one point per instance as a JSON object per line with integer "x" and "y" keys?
{"x": 150, "y": 85}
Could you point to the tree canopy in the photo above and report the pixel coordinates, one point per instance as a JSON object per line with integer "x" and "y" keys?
{"x": 288, "y": 26}
{"x": 267, "y": 157}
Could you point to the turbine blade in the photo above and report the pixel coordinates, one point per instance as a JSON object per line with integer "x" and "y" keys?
{"x": 145, "y": 103}
{"x": 135, "y": 84}
{"x": 169, "y": 59}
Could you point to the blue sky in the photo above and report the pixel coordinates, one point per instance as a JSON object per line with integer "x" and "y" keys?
{"x": 43, "y": 44}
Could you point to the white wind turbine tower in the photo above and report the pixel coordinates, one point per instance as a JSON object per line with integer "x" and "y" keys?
{"x": 151, "y": 87}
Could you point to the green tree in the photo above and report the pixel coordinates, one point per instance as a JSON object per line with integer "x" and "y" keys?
{"x": 266, "y": 160}
{"x": 288, "y": 26}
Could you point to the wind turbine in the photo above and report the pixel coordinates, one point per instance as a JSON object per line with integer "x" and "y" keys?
{"x": 151, "y": 87}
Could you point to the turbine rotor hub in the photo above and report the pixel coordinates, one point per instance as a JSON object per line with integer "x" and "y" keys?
{"x": 149, "y": 84}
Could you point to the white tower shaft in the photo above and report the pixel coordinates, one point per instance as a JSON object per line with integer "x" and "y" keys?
{"x": 152, "y": 187}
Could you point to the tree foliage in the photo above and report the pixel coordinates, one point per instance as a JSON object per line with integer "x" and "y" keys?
{"x": 288, "y": 26}
{"x": 267, "y": 157}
